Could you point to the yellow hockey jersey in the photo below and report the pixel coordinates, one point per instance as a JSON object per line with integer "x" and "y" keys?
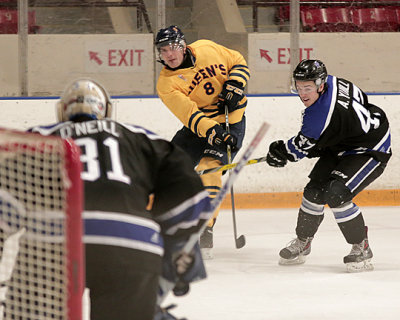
{"x": 191, "y": 94}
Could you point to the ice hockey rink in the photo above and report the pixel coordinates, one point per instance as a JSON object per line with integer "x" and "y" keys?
{"x": 248, "y": 283}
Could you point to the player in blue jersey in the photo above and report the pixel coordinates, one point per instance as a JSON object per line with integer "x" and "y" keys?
{"x": 351, "y": 138}
{"x": 129, "y": 245}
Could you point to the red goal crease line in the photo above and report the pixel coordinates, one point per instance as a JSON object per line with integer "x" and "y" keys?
{"x": 389, "y": 197}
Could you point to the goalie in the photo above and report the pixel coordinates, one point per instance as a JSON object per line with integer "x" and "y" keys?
{"x": 128, "y": 247}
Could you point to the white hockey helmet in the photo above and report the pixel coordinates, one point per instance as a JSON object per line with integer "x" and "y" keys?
{"x": 84, "y": 97}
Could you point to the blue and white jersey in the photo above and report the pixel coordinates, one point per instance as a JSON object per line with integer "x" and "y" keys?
{"x": 343, "y": 121}
{"x": 122, "y": 166}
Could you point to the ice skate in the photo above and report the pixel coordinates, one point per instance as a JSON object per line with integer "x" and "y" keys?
{"x": 295, "y": 252}
{"x": 206, "y": 243}
{"x": 359, "y": 258}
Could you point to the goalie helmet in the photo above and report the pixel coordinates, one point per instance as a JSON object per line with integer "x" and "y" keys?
{"x": 170, "y": 36}
{"x": 84, "y": 98}
{"x": 311, "y": 70}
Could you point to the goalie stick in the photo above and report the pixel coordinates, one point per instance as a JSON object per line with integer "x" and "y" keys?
{"x": 231, "y": 166}
{"x": 166, "y": 286}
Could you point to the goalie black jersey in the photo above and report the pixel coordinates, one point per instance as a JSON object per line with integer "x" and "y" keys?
{"x": 344, "y": 122}
{"x": 122, "y": 166}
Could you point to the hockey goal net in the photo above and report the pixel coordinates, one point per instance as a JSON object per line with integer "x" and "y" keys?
{"x": 41, "y": 265}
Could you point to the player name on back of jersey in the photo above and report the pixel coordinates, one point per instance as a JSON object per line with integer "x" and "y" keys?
{"x": 88, "y": 127}
{"x": 343, "y": 93}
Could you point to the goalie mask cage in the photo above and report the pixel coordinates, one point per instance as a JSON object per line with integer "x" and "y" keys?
{"x": 41, "y": 266}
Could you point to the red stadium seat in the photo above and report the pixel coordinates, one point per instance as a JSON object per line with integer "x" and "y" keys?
{"x": 283, "y": 14}
{"x": 327, "y": 20}
{"x": 376, "y": 19}
{"x": 398, "y": 17}
{"x": 9, "y": 21}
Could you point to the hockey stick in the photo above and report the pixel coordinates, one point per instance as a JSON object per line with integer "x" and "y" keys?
{"x": 241, "y": 240}
{"x": 231, "y": 166}
{"x": 166, "y": 286}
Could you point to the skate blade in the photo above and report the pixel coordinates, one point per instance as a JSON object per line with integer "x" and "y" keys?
{"x": 207, "y": 253}
{"x": 288, "y": 262}
{"x": 362, "y": 266}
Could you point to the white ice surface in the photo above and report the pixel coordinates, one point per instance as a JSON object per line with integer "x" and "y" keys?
{"x": 248, "y": 283}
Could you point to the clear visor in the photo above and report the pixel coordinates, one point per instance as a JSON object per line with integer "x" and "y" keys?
{"x": 308, "y": 89}
{"x": 171, "y": 45}
{"x": 293, "y": 88}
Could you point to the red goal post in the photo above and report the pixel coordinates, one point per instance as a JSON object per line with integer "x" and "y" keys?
{"x": 41, "y": 263}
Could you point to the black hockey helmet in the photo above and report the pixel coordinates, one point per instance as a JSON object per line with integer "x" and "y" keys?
{"x": 311, "y": 70}
{"x": 170, "y": 36}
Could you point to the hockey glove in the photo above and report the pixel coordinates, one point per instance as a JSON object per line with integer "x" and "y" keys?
{"x": 183, "y": 262}
{"x": 231, "y": 94}
{"x": 182, "y": 268}
{"x": 221, "y": 139}
{"x": 277, "y": 154}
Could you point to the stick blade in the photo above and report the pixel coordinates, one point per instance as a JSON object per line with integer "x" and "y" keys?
{"x": 240, "y": 242}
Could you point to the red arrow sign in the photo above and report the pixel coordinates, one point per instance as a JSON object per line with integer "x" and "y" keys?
{"x": 264, "y": 54}
{"x": 94, "y": 56}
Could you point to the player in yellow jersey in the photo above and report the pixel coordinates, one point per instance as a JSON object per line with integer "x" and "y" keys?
{"x": 198, "y": 82}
